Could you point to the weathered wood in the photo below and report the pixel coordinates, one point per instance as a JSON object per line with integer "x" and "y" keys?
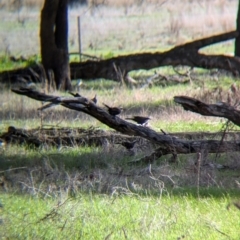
{"x": 220, "y": 109}
{"x": 186, "y": 55}
{"x": 118, "y": 67}
{"x": 171, "y": 144}
{"x": 57, "y": 137}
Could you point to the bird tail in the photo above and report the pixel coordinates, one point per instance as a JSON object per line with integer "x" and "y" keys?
{"x": 73, "y": 94}
{"x": 106, "y": 105}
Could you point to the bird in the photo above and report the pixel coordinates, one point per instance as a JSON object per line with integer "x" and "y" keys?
{"x": 11, "y": 129}
{"x": 2, "y": 143}
{"x": 140, "y": 120}
{"x": 113, "y": 110}
{"x": 94, "y": 99}
{"x": 75, "y": 94}
{"x": 129, "y": 145}
{"x": 164, "y": 132}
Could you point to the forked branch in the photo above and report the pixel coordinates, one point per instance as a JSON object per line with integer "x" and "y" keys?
{"x": 169, "y": 144}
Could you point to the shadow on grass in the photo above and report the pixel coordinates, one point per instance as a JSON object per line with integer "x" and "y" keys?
{"x": 99, "y": 171}
{"x": 212, "y": 192}
{"x": 81, "y": 158}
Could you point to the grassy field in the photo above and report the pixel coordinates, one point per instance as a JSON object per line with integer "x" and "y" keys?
{"x": 123, "y": 215}
{"x": 113, "y": 30}
{"x": 156, "y": 102}
{"x": 83, "y": 192}
{"x": 93, "y": 193}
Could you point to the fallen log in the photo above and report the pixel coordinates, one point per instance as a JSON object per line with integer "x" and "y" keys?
{"x": 117, "y": 68}
{"x": 168, "y": 143}
{"x": 59, "y": 137}
{"x": 220, "y": 109}
{"x": 55, "y": 136}
{"x": 185, "y": 55}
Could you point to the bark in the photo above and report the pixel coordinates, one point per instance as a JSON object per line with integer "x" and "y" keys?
{"x": 54, "y": 47}
{"x": 94, "y": 137}
{"x": 186, "y": 55}
{"x": 168, "y": 143}
{"x": 118, "y": 67}
{"x": 62, "y": 137}
{"x": 220, "y": 109}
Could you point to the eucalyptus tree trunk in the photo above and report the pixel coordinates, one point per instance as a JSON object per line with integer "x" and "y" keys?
{"x": 54, "y": 42}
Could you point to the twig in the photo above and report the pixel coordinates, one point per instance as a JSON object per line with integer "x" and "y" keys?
{"x": 53, "y": 212}
{"x": 210, "y": 225}
{"x": 119, "y": 73}
{"x": 198, "y": 173}
{"x": 12, "y": 169}
{"x": 222, "y": 138}
{"x": 64, "y": 225}
{"x": 34, "y": 189}
{"x": 124, "y": 232}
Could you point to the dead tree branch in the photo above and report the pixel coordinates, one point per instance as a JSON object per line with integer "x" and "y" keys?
{"x": 168, "y": 143}
{"x": 185, "y": 55}
{"x": 220, "y": 109}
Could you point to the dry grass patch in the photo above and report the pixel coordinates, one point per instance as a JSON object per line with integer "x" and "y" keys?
{"x": 108, "y": 30}
{"x": 156, "y": 102}
{"x": 69, "y": 171}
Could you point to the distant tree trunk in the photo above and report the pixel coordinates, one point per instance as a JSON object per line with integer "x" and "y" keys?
{"x": 237, "y": 41}
{"x": 54, "y": 42}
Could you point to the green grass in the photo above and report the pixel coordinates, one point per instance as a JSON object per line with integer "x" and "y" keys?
{"x": 130, "y": 216}
{"x": 191, "y": 126}
{"x": 120, "y": 211}
{"x": 7, "y": 64}
{"x": 51, "y": 194}
{"x": 82, "y": 158}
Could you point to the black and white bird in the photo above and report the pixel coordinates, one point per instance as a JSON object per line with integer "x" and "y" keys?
{"x": 140, "y": 120}
{"x": 114, "y": 111}
{"x": 75, "y": 94}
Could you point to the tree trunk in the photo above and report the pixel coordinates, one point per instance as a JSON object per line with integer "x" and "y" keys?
{"x": 237, "y": 41}
{"x": 54, "y": 42}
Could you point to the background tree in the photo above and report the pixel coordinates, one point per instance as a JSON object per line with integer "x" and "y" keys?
{"x": 54, "y": 42}
{"x": 237, "y": 41}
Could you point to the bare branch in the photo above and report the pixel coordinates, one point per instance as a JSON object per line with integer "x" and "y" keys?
{"x": 220, "y": 109}
{"x": 169, "y": 144}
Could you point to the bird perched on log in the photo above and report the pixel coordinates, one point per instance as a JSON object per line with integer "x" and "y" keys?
{"x": 113, "y": 110}
{"x": 75, "y": 94}
{"x": 140, "y": 120}
{"x": 129, "y": 145}
{"x": 94, "y": 99}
